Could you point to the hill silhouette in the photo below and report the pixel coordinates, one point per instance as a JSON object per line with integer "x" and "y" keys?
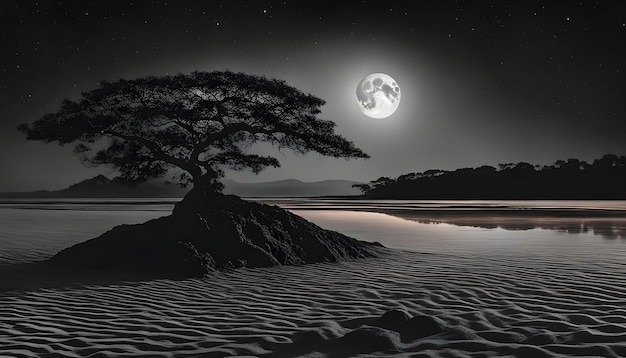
{"x": 604, "y": 178}
{"x": 291, "y": 188}
{"x": 102, "y": 187}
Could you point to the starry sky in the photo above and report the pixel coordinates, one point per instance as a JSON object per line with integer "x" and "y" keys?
{"x": 483, "y": 82}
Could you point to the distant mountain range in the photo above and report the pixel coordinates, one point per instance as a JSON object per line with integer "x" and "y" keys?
{"x": 291, "y": 187}
{"x": 103, "y": 187}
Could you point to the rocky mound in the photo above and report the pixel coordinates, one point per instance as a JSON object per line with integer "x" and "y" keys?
{"x": 226, "y": 232}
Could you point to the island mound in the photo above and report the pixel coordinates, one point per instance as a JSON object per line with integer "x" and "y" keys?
{"x": 223, "y": 232}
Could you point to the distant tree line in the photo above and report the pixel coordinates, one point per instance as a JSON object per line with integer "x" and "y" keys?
{"x": 605, "y": 178}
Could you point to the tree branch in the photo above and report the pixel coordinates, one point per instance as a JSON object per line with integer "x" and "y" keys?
{"x": 155, "y": 149}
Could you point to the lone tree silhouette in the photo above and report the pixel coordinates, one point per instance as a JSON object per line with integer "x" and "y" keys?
{"x": 201, "y": 123}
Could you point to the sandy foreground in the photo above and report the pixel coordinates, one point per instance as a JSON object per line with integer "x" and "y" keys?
{"x": 532, "y": 303}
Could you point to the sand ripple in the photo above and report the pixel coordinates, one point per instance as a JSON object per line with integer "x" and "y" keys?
{"x": 485, "y": 305}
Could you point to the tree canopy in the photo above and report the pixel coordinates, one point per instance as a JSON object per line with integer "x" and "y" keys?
{"x": 200, "y": 122}
{"x": 604, "y": 178}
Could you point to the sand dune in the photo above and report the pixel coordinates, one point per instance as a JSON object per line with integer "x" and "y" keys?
{"x": 445, "y": 305}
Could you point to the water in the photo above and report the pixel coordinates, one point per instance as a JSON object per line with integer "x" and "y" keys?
{"x": 36, "y": 229}
{"x": 35, "y": 234}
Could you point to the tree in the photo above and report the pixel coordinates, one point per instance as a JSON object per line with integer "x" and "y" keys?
{"x": 363, "y": 187}
{"x": 200, "y": 123}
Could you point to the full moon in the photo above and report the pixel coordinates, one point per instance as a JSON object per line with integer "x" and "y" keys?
{"x": 378, "y": 95}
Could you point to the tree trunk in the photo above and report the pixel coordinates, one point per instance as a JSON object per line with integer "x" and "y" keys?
{"x": 206, "y": 192}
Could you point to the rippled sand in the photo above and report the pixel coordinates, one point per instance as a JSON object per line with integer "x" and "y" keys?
{"x": 550, "y": 287}
{"x": 488, "y": 305}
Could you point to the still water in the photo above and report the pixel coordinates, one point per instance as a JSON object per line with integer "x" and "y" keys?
{"x": 36, "y": 229}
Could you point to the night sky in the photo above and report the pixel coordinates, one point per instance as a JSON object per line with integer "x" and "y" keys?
{"x": 482, "y": 82}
